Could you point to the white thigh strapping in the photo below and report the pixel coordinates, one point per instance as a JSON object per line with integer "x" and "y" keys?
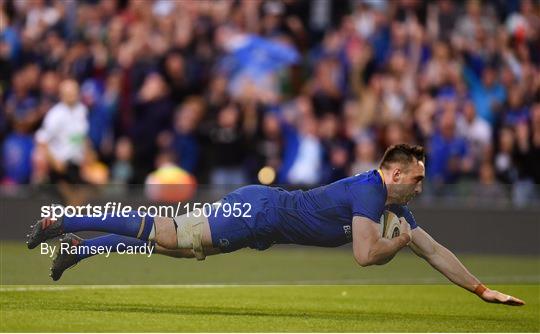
{"x": 189, "y": 232}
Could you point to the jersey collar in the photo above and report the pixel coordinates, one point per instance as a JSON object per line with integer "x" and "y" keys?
{"x": 382, "y": 176}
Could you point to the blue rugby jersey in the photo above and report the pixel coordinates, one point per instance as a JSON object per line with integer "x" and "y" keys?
{"x": 318, "y": 217}
{"x": 323, "y": 216}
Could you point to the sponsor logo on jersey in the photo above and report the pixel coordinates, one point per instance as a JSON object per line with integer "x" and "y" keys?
{"x": 348, "y": 232}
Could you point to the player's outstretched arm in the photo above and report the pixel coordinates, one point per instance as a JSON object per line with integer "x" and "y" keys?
{"x": 440, "y": 258}
{"x": 369, "y": 247}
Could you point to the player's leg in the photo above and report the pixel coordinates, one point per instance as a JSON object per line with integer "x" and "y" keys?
{"x": 74, "y": 249}
{"x": 190, "y": 231}
{"x": 133, "y": 225}
{"x": 66, "y": 258}
{"x": 202, "y": 235}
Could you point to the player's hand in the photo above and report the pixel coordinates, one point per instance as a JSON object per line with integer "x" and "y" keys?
{"x": 494, "y": 296}
{"x": 405, "y": 228}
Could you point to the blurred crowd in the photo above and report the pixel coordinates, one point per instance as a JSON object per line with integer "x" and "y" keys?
{"x": 109, "y": 91}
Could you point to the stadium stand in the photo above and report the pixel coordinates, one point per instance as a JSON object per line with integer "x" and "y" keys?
{"x": 315, "y": 90}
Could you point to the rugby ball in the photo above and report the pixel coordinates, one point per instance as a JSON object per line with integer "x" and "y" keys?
{"x": 389, "y": 226}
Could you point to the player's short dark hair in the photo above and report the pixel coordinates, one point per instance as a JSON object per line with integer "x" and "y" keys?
{"x": 402, "y": 153}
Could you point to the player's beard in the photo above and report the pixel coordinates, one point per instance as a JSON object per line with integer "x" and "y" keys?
{"x": 410, "y": 197}
{"x": 407, "y": 197}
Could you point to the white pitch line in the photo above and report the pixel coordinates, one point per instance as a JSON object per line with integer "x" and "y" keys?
{"x": 110, "y": 287}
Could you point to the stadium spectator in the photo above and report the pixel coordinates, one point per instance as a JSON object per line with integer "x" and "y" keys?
{"x": 21, "y": 110}
{"x": 122, "y": 168}
{"x": 329, "y": 126}
{"x": 486, "y": 93}
{"x": 441, "y": 19}
{"x": 225, "y": 140}
{"x": 449, "y": 155}
{"x": 303, "y": 150}
{"x": 474, "y": 22}
{"x": 526, "y": 158}
{"x": 504, "y": 164}
{"x": 365, "y": 156}
{"x": 153, "y": 111}
{"x": 476, "y": 131}
{"x": 488, "y": 190}
{"x": 17, "y": 158}
{"x": 174, "y": 72}
{"x": 185, "y": 142}
{"x": 384, "y": 69}
{"x": 98, "y": 119}
{"x": 268, "y": 148}
{"x": 338, "y": 165}
{"x": 64, "y": 133}
{"x": 394, "y": 132}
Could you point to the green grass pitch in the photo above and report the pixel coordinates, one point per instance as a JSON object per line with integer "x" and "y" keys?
{"x": 283, "y": 289}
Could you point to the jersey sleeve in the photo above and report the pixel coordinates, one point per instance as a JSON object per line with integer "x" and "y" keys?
{"x": 49, "y": 127}
{"x": 405, "y": 212}
{"x": 368, "y": 200}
